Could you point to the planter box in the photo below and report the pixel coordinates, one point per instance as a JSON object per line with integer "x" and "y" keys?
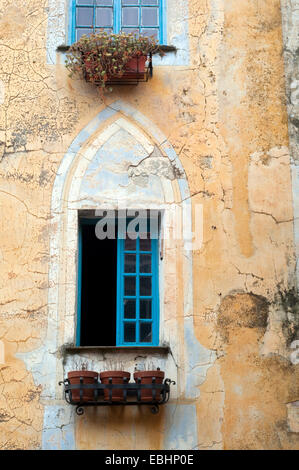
{"x": 115, "y": 389}
{"x": 135, "y": 70}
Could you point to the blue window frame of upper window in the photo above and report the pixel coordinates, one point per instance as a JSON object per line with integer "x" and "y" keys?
{"x": 146, "y": 17}
{"x": 138, "y": 293}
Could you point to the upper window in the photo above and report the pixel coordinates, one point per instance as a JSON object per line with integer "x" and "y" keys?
{"x": 114, "y": 16}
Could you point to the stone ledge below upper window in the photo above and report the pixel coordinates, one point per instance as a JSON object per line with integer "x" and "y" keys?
{"x": 116, "y": 349}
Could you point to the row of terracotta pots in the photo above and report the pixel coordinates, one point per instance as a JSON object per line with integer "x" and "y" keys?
{"x": 91, "y": 377}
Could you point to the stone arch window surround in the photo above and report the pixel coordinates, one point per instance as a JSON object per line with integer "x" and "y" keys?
{"x": 175, "y": 31}
{"x": 99, "y": 150}
{"x": 107, "y": 171}
{"x": 75, "y": 189}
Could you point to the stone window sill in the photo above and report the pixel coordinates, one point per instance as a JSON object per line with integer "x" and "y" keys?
{"x": 146, "y": 349}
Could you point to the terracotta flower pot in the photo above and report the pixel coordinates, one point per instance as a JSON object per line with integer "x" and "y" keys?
{"x": 89, "y": 377}
{"x": 146, "y": 379}
{"x": 135, "y": 68}
{"x": 136, "y": 64}
{"x": 117, "y": 377}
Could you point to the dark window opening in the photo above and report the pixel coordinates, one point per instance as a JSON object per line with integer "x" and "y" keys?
{"x": 98, "y": 289}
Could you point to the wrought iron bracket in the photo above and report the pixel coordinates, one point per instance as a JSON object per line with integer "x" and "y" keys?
{"x": 131, "y": 394}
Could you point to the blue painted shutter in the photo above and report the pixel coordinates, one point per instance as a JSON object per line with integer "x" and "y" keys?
{"x": 137, "y": 293}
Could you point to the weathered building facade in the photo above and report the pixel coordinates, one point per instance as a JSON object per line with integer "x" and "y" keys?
{"x": 213, "y": 133}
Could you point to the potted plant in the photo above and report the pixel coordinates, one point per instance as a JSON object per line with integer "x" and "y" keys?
{"x": 147, "y": 377}
{"x": 101, "y": 57}
{"x": 117, "y": 377}
{"x": 89, "y": 377}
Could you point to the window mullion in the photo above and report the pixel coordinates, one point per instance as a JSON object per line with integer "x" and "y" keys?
{"x": 162, "y": 21}
{"x": 155, "y": 292}
{"x": 139, "y": 18}
{"x": 117, "y": 16}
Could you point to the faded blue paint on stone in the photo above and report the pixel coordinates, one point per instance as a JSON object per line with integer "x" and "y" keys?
{"x": 58, "y": 429}
{"x": 120, "y": 151}
{"x": 107, "y": 174}
{"x": 184, "y": 188}
{"x": 120, "y": 105}
{"x": 151, "y": 128}
{"x": 168, "y": 149}
{"x": 91, "y": 127}
{"x": 181, "y": 433}
{"x": 103, "y": 181}
{"x": 199, "y": 359}
{"x": 99, "y": 119}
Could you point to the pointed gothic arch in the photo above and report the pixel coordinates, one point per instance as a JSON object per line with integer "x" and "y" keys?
{"x": 103, "y": 140}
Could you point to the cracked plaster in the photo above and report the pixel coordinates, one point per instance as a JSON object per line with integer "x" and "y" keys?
{"x": 222, "y": 113}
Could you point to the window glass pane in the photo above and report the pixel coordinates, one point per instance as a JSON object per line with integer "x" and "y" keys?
{"x": 145, "y": 263}
{"x": 145, "y": 244}
{"x": 150, "y": 32}
{"x": 81, "y": 31}
{"x": 130, "y": 2}
{"x": 130, "y": 264}
{"x": 145, "y": 332}
{"x": 130, "y": 332}
{"x": 145, "y": 285}
{"x": 130, "y": 285}
{"x": 104, "y": 17}
{"x": 130, "y": 16}
{"x": 145, "y": 308}
{"x": 149, "y": 16}
{"x": 84, "y": 16}
{"x": 149, "y": 2}
{"x": 84, "y": 2}
{"x": 104, "y": 2}
{"x": 130, "y": 309}
{"x": 130, "y": 30}
{"x": 130, "y": 245}
{"x": 107, "y": 30}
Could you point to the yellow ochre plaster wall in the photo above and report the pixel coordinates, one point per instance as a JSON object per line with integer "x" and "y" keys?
{"x": 223, "y": 110}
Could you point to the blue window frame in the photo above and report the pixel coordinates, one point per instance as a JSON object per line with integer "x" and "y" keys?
{"x": 138, "y": 293}
{"x": 137, "y": 290}
{"x": 146, "y": 17}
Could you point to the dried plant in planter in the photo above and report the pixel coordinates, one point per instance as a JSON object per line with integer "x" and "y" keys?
{"x": 101, "y": 57}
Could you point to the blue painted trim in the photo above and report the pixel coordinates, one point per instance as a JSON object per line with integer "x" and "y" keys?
{"x": 119, "y": 291}
{"x": 137, "y": 323}
{"x": 156, "y": 296}
{"x": 154, "y": 275}
{"x": 117, "y": 20}
{"x": 71, "y": 22}
{"x": 79, "y": 286}
{"x": 163, "y": 22}
{"x": 117, "y": 16}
